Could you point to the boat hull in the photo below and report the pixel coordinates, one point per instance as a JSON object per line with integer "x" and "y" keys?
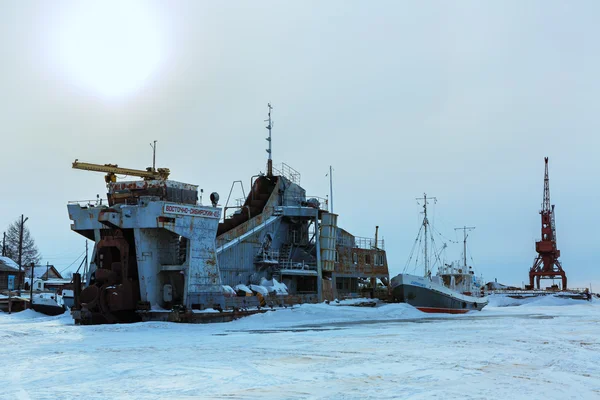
{"x": 48, "y": 309}
{"x": 431, "y": 297}
{"x": 46, "y": 303}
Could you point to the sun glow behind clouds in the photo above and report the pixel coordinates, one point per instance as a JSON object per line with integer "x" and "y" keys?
{"x": 111, "y": 47}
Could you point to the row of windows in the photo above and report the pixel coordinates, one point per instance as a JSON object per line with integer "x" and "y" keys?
{"x": 379, "y": 260}
{"x": 367, "y": 258}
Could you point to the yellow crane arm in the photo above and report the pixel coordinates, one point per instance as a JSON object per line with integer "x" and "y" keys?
{"x": 112, "y": 170}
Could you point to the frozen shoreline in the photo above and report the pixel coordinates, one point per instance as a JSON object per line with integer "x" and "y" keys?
{"x": 312, "y": 351}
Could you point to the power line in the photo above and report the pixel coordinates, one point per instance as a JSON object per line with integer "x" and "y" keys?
{"x": 77, "y": 259}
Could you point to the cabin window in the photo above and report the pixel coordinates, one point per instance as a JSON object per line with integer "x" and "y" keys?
{"x": 367, "y": 259}
{"x": 355, "y": 258}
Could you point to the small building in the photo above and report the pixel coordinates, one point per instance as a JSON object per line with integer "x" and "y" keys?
{"x": 51, "y": 285}
{"x": 9, "y": 268}
{"x": 44, "y": 272}
{"x": 45, "y": 278}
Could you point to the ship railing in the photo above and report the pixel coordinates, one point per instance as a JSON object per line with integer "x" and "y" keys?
{"x": 267, "y": 255}
{"x": 455, "y": 271}
{"x": 578, "y": 290}
{"x": 516, "y": 291}
{"x": 323, "y": 202}
{"x": 90, "y": 203}
{"x": 364, "y": 243}
{"x": 287, "y": 172}
{"x": 297, "y": 265}
{"x": 534, "y": 291}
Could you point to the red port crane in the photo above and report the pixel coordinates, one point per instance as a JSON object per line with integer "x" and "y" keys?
{"x": 546, "y": 264}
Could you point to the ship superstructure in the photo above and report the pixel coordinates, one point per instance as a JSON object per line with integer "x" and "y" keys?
{"x": 281, "y": 233}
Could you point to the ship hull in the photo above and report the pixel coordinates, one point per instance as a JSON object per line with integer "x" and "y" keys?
{"x": 431, "y": 297}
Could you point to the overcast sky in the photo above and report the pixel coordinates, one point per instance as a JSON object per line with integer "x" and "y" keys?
{"x": 461, "y": 100}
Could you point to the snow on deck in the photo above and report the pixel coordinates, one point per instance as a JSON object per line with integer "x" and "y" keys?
{"x": 312, "y": 351}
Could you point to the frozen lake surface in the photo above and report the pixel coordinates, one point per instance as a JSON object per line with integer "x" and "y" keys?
{"x": 547, "y": 348}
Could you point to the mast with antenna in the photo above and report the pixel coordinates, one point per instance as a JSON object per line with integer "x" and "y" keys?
{"x": 425, "y": 227}
{"x": 465, "y": 229}
{"x": 153, "y": 155}
{"x": 331, "y": 190}
{"x": 269, "y": 150}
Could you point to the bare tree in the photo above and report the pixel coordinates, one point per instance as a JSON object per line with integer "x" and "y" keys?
{"x": 31, "y": 253}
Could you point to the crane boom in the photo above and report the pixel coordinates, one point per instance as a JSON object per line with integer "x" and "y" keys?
{"x": 112, "y": 170}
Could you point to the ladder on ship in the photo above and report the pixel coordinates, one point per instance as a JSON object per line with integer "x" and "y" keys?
{"x": 285, "y": 257}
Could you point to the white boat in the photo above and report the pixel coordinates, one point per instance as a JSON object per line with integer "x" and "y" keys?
{"x": 454, "y": 289}
{"x": 47, "y": 303}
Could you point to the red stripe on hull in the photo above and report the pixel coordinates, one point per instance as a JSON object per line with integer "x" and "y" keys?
{"x": 442, "y": 310}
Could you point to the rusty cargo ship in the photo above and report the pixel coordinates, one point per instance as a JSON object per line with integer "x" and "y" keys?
{"x": 160, "y": 254}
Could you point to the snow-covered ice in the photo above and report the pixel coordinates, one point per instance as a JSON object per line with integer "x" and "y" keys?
{"x": 538, "y": 350}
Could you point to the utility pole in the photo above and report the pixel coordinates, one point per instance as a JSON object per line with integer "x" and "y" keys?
{"x": 269, "y": 150}
{"x": 23, "y": 220}
{"x": 4, "y": 245}
{"x": 465, "y": 229}
{"x": 425, "y": 226}
{"x": 331, "y": 188}
{"x": 31, "y": 287}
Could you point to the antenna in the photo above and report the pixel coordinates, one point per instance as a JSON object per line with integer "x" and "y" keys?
{"x": 269, "y": 150}
{"x": 153, "y": 155}
{"x": 331, "y": 190}
{"x": 465, "y": 229}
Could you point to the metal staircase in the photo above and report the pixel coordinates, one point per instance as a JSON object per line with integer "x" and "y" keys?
{"x": 285, "y": 257}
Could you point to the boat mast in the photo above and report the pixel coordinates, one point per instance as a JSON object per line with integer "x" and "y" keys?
{"x": 425, "y": 222}
{"x": 269, "y": 127}
{"x": 425, "y": 226}
{"x": 465, "y": 229}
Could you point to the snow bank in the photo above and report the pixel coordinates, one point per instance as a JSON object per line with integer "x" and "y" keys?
{"x": 31, "y": 315}
{"x": 324, "y": 314}
{"x": 351, "y": 302}
{"x": 502, "y": 300}
{"x": 311, "y": 351}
